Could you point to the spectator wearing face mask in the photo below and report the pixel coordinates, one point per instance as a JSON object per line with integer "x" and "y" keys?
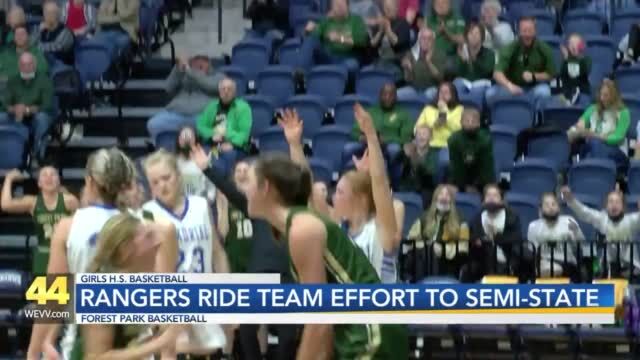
{"x": 29, "y": 100}
{"x": 550, "y": 233}
{"x": 194, "y": 182}
{"x": 422, "y": 162}
{"x": 471, "y": 154}
{"x": 573, "y": 80}
{"x": 612, "y": 222}
{"x": 496, "y": 226}
{"x": 441, "y": 225}
{"x": 192, "y": 84}
{"x": 22, "y": 44}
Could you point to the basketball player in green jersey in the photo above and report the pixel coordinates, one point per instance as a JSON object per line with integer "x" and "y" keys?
{"x": 278, "y": 191}
{"x": 47, "y": 208}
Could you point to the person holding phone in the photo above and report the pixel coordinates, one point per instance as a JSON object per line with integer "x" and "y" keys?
{"x": 443, "y": 117}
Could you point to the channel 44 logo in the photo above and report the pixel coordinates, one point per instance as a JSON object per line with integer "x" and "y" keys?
{"x": 50, "y": 298}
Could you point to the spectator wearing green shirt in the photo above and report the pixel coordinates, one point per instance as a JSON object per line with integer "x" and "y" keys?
{"x": 448, "y": 27}
{"x": 474, "y": 64}
{"x": 423, "y": 68}
{"x": 29, "y": 101}
{"x": 524, "y": 67}
{"x": 336, "y": 39}
{"x": 226, "y": 124}
{"x": 11, "y": 54}
{"x": 603, "y": 126}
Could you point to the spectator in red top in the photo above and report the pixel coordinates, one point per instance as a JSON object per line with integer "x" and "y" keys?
{"x": 79, "y": 16}
{"x": 408, "y": 10}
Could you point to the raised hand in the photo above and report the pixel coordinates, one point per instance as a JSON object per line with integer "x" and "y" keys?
{"x": 199, "y": 156}
{"x": 567, "y": 195}
{"x": 15, "y": 175}
{"x": 365, "y": 122}
{"x": 292, "y": 126}
{"x": 361, "y": 164}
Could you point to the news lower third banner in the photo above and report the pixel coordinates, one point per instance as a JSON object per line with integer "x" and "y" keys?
{"x": 260, "y": 298}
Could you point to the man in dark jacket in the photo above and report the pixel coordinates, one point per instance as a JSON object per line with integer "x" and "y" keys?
{"x": 471, "y": 154}
{"x": 56, "y": 40}
{"x": 496, "y": 239}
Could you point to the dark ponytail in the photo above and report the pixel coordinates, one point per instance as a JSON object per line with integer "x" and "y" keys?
{"x": 292, "y": 181}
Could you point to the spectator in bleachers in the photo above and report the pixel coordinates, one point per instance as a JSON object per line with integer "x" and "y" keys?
{"x": 79, "y": 16}
{"x": 269, "y": 19}
{"x": 441, "y": 225}
{"x": 393, "y": 38}
{"x": 447, "y": 25}
{"x": 56, "y": 40}
{"x": 194, "y": 182}
{"x": 408, "y": 10}
{"x": 10, "y": 56}
{"x": 498, "y": 34}
{"x": 612, "y": 222}
{"x": 475, "y": 63}
{"x": 29, "y": 99}
{"x": 391, "y": 121}
{"x": 629, "y": 46}
{"x": 603, "y": 126}
{"x": 118, "y": 21}
{"x": 550, "y": 232}
{"x": 525, "y": 66}
{"x": 423, "y": 67}
{"x": 15, "y": 19}
{"x": 443, "y": 116}
{"x": 50, "y": 205}
{"x": 471, "y": 154}
{"x": 226, "y": 124}
{"x": 336, "y": 39}
{"x": 422, "y": 164}
{"x": 497, "y": 225}
{"x": 191, "y": 84}
{"x": 574, "y": 73}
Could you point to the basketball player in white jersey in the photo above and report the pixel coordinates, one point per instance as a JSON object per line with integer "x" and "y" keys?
{"x": 200, "y": 250}
{"x": 108, "y": 172}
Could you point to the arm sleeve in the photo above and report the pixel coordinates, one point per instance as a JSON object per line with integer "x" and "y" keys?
{"x": 504, "y": 57}
{"x": 235, "y": 197}
{"x": 204, "y": 123}
{"x": 207, "y": 84}
{"x": 360, "y": 35}
{"x": 621, "y": 129}
{"x": 92, "y": 17}
{"x": 406, "y": 131}
{"x": 588, "y": 215}
{"x": 586, "y": 116}
{"x": 173, "y": 81}
{"x": 424, "y": 119}
{"x": 130, "y": 10}
{"x": 403, "y": 32}
{"x": 62, "y": 42}
{"x": 532, "y": 233}
{"x": 550, "y": 66}
{"x": 239, "y": 135}
{"x": 47, "y": 96}
{"x": 104, "y": 15}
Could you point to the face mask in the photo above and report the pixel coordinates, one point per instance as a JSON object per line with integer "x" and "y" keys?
{"x": 184, "y": 150}
{"x": 493, "y": 208}
{"x": 616, "y": 218}
{"x": 551, "y": 217}
{"x": 443, "y": 207}
{"x": 472, "y": 133}
{"x": 27, "y": 76}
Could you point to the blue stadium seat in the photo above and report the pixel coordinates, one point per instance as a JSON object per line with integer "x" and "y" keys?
{"x": 583, "y": 22}
{"x": 553, "y": 147}
{"x": 561, "y": 117}
{"x": 299, "y": 9}
{"x": 622, "y": 21}
{"x": 412, "y": 209}
{"x": 519, "y": 8}
{"x": 289, "y": 53}
{"x": 272, "y": 139}
{"x": 526, "y": 206}
{"x": 633, "y": 184}
{"x": 327, "y": 81}
{"x": 277, "y": 83}
{"x": 413, "y": 106}
{"x": 239, "y": 76}
{"x": 311, "y": 109}
{"x": 262, "y": 110}
{"x": 505, "y": 143}
{"x": 328, "y": 143}
{"x": 343, "y": 111}
{"x": 369, "y": 82}
{"x": 468, "y": 205}
{"x": 517, "y": 113}
{"x": 13, "y": 143}
{"x": 92, "y": 61}
{"x": 633, "y": 104}
{"x": 628, "y": 80}
{"x": 534, "y": 177}
{"x": 322, "y": 170}
{"x": 166, "y": 140}
{"x": 545, "y": 21}
{"x": 593, "y": 176}
{"x": 603, "y": 54}
{"x": 252, "y": 55}
{"x": 554, "y": 42}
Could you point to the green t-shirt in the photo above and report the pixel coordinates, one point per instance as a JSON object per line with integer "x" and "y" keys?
{"x": 421, "y": 76}
{"x": 514, "y": 60}
{"x": 454, "y": 25}
{"x": 471, "y": 158}
{"x": 36, "y": 92}
{"x": 393, "y": 126}
{"x": 481, "y": 68}
{"x": 44, "y": 222}
{"x": 351, "y": 26}
{"x": 613, "y": 123}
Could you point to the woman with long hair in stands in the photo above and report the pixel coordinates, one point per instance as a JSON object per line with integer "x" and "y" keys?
{"x": 51, "y": 204}
{"x": 200, "y": 250}
{"x": 362, "y": 198}
{"x": 278, "y": 191}
{"x": 73, "y": 243}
